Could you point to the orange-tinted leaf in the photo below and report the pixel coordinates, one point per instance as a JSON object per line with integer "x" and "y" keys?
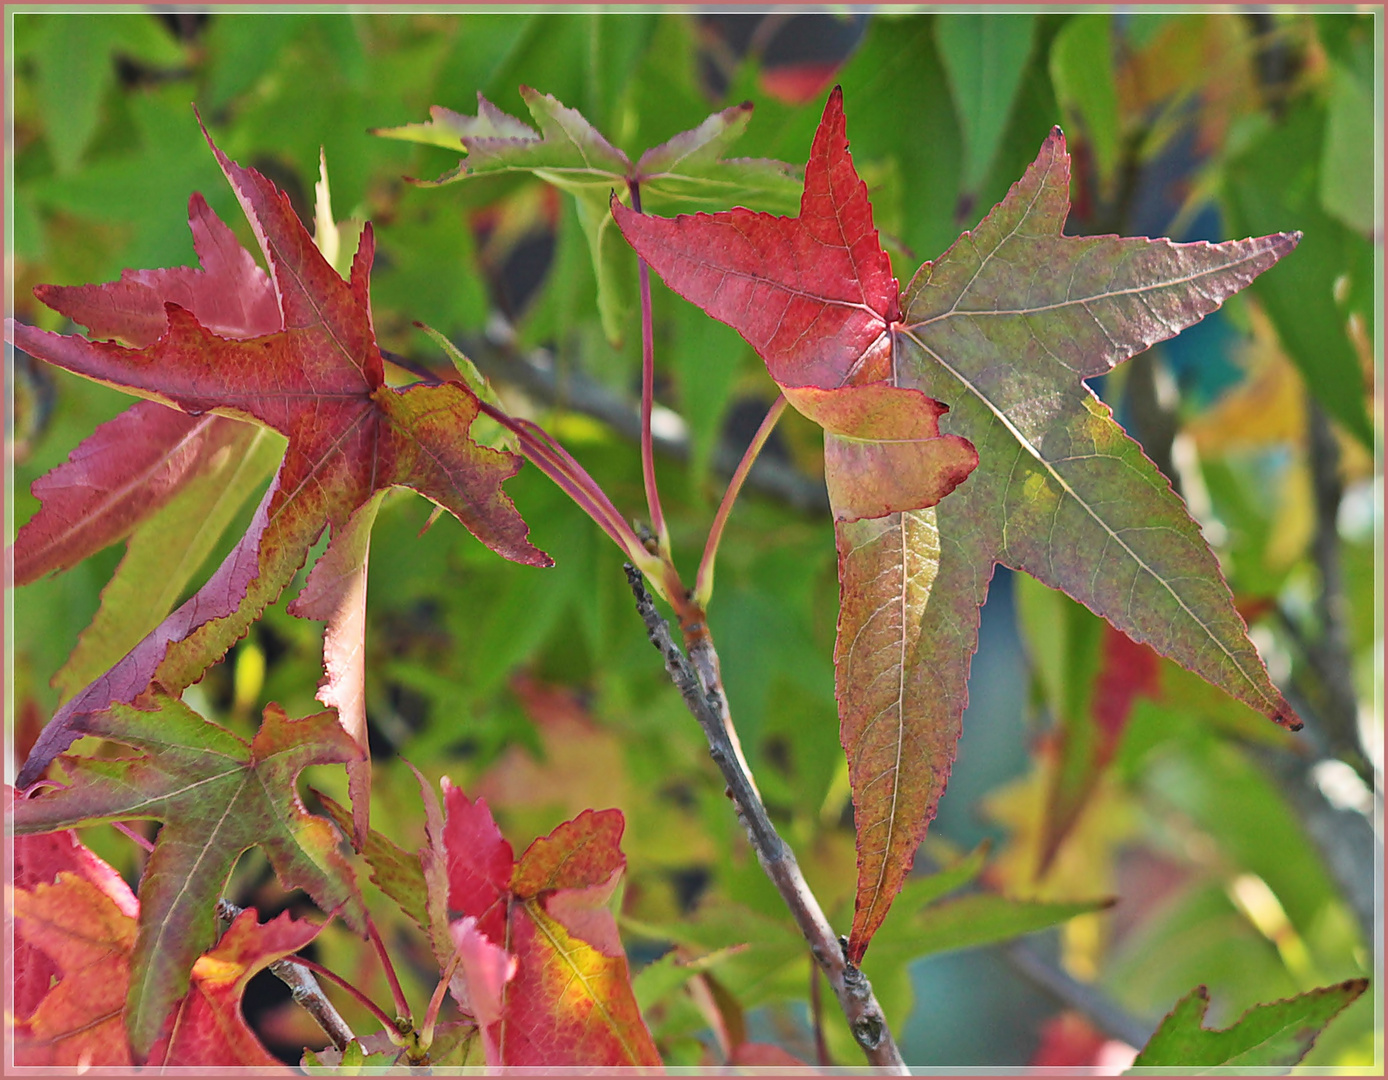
{"x": 317, "y": 377}
{"x": 217, "y": 797}
{"x": 543, "y": 969}
{"x": 84, "y": 934}
{"x": 207, "y": 1027}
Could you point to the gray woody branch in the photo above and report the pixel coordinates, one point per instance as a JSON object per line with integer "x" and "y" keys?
{"x": 704, "y": 700}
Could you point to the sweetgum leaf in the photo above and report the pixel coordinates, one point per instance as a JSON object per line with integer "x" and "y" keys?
{"x": 1002, "y": 329}
{"x": 217, "y": 797}
{"x": 571, "y": 154}
{"x": 1275, "y": 1035}
{"x": 544, "y": 970}
{"x": 815, "y": 296}
{"x": 318, "y": 379}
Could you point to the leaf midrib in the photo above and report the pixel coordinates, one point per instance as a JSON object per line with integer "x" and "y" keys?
{"x": 1050, "y": 470}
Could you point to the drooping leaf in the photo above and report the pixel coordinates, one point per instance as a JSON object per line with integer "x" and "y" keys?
{"x": 568, "y": 152}
{"x": 544, "y": 970}
{"x": 1267, "y": 1036}
{"x": 1002, "y": 329}
{"x": 1275, "y": 180}
{"x": 985, "y": 918}
{"x": 318, "y": 379}
{"x": 217, "y": 797}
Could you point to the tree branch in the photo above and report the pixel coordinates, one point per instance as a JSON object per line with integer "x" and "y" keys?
{"x": 702, "y": 692}
{"x": 303, "y": 987}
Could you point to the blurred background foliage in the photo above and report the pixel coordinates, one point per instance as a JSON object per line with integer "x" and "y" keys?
{"x": 1241, "y": 858}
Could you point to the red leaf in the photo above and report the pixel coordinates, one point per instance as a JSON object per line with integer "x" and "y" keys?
{"x": 76, "y": 920}
{"x": 207, "y": 1028}
{"x": 559, "y": 993}
{"x": 317, "y": 377}
{"x": 479, "y": 860}
{"x": 815, "y": 296}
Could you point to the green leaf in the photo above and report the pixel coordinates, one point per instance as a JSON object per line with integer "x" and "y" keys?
{"x": 685, "y": 172}
{"x": 217, "y": 797}
{"x": 165, "y": 552}
{"x": 986, "y": 918}
{"x": 984, "y": 57}
{"x": 75, "y": 59}
{"x": 1347, "y": 164}
{"x": 1081, "y": 62}
{"x": 1277, "y": 180}
{"x": 1267, "y": 1036}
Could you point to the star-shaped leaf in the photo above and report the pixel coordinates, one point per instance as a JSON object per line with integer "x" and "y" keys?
{"x": 816, "y": 298}
{"x": 1002, "y": 329}
{"x": 317, "y": 378}
{"x": 217, "y": 797}
{"x": 544, "y": 971}
{"x": 568, "y": 152}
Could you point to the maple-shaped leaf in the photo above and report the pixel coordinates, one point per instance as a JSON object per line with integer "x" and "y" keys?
{"x": 1002, "y": 329}
{"x": 318, "y": 379}
{"x": 544, "y": 971}
{"x": 568, "y": 152}
{"x": 217, "y": 796}
{"x": 133, "y": 465}
{"x": 815, "y": 296}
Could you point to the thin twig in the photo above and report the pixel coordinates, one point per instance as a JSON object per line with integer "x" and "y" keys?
{"x": 706, "y": 703}
{"x": 303, "y": 987}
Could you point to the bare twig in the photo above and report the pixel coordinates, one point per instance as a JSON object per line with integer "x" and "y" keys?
{"x": 303, "y": 987}
{"x": 706, "y": 702}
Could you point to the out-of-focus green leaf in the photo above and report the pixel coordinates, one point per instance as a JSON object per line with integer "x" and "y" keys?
{"x": 1081, "y": 62}
{"x": 984, "y": 57}
{"x": 1275, "y": 185}
{"x": 898, "y": 87}
{"x": 1272, "y": 1035}
{"x": 242, "y": 47}
{"x": 75, "y": 57}
{"x": 985, "y": 918}
{"x": 1347, "y": 167}
{"x": 706, "y": 356}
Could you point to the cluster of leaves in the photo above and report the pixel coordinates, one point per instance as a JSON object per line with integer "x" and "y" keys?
{"x": 955, "y": 382}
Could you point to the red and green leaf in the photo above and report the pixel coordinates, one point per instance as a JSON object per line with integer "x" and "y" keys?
{"x": 316, "y": 377}
{"x": 543, "y": 969}
{"x": 1002, "y": 329}
{"x": 217, "y": 797}
{"x": 568, "y": 152}
{"x": 76, "y": 922}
